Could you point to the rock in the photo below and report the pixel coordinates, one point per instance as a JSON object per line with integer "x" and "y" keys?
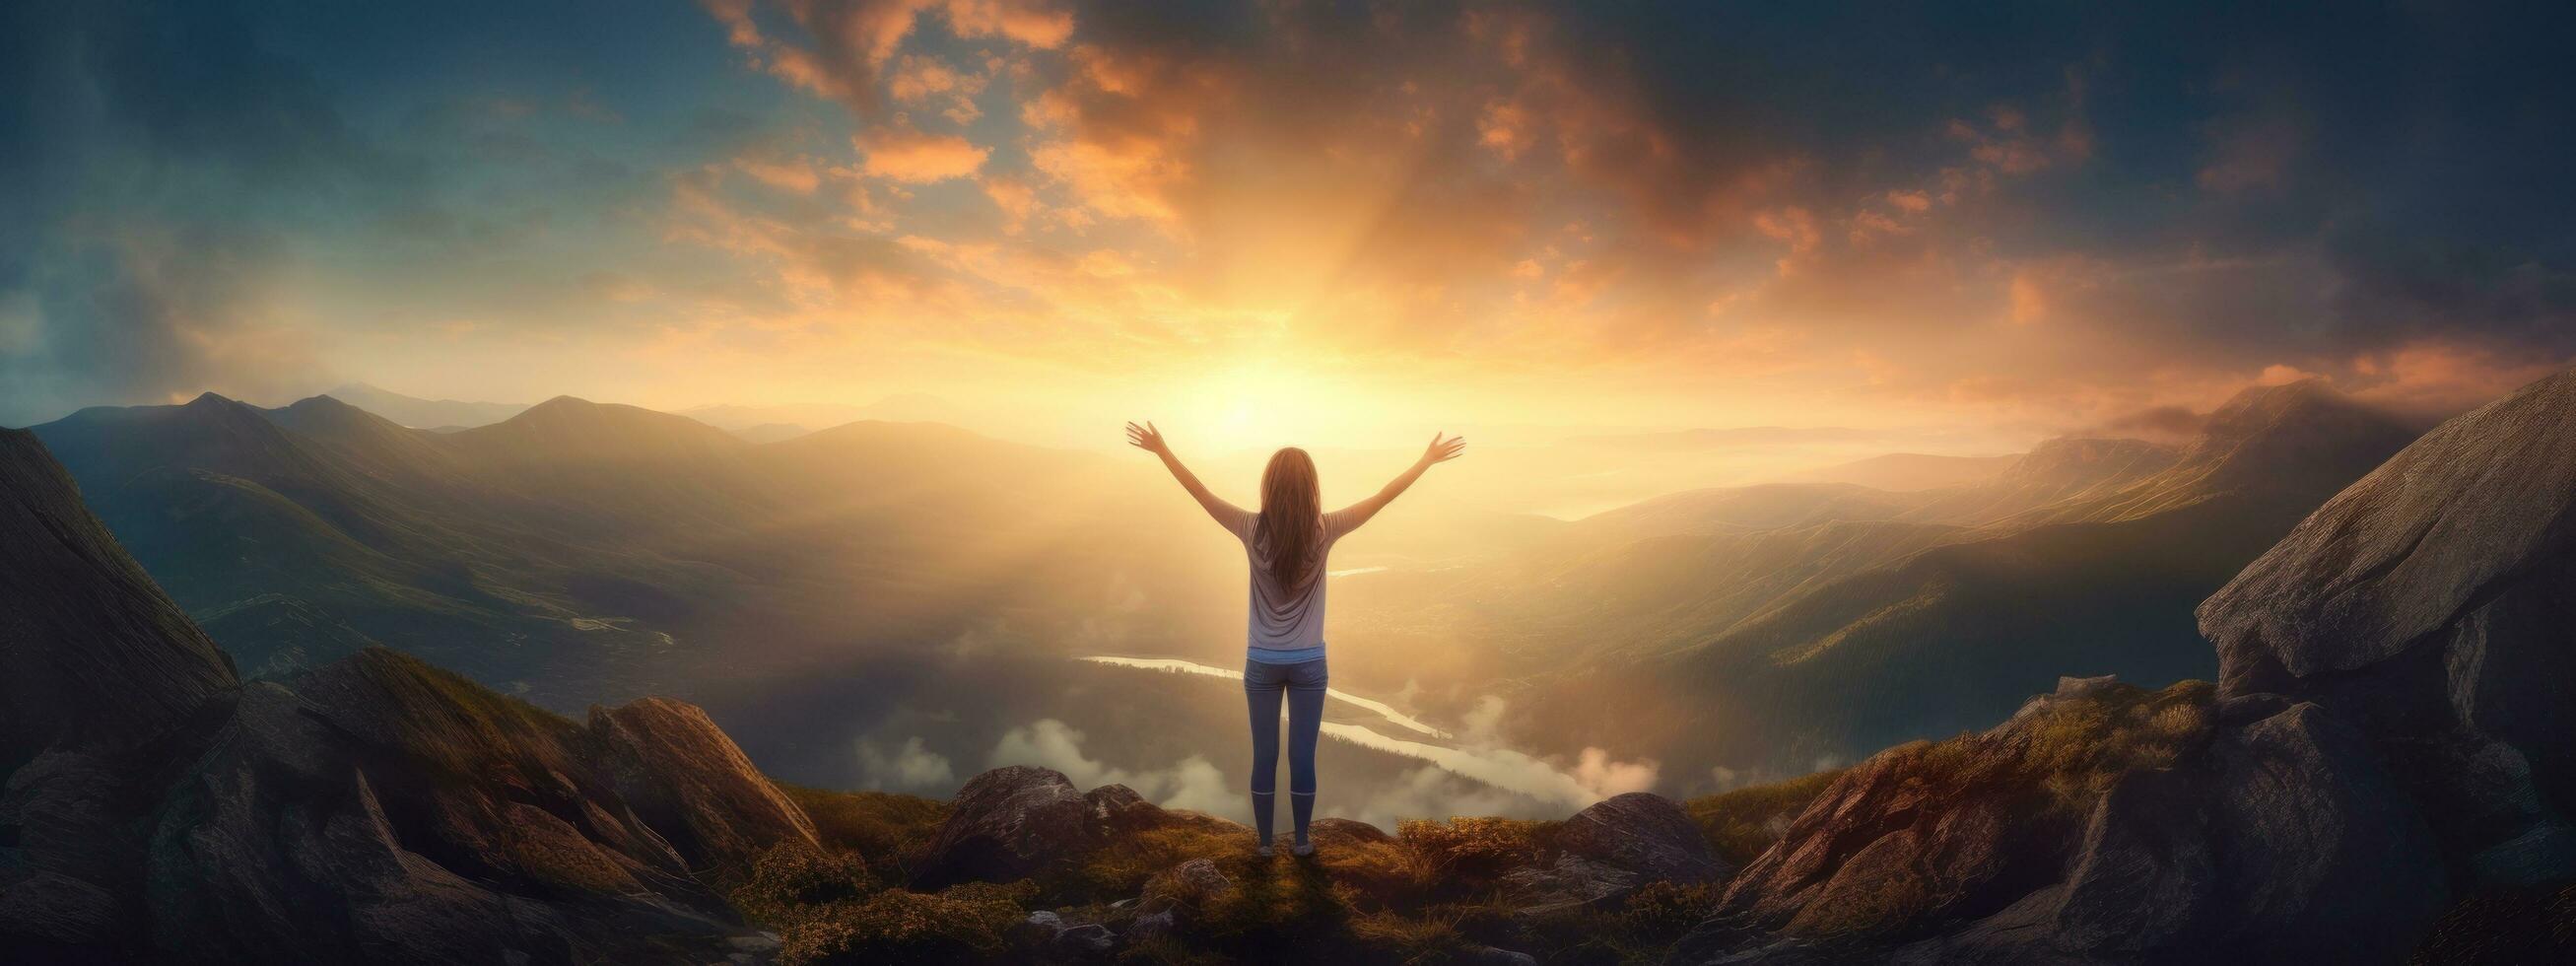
{"x": 1088, "y": 939}
{"x": 1017, "y": 822}
{"x": 2320, "y": 852}
{"x": 1153, "y": 924}
{"x": 1047, "y": 934}
{"x": 375, "y": 809}
{"x": 1491, "y": 956}
{"x": 2392, "y": 719}
{"x": 2145, "y": 872}
{"x": 49, "y": 917}
{"x": 2240, "y": 709}
{"x": 1643, "y": 833}
{"x": 1605, "y": 852}
{"x": 2430, "y": 602}
{"x": 2074, "y": 687}
{"x": 1566, "y": 883}
{"x": 687, "y": 780}
{"x": 2395, "y": 557}
{"x": 91, "y": 651}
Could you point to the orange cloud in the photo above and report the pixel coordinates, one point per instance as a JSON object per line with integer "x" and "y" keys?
{"x": 902, "y": 153}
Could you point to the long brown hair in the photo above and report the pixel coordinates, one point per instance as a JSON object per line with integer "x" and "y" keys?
{"x": 1292, "y": 515}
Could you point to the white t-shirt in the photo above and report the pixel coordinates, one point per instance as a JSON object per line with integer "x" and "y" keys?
{"x": 1285, "y": 624}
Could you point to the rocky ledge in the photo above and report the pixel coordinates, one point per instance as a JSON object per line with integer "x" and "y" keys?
{"x": 2393, "y": 735}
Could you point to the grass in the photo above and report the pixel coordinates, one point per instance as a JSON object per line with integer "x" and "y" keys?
{"x": 1742, "y": 823}
{"x": 881, "y": 827}
{"x": 1432, "y": 893}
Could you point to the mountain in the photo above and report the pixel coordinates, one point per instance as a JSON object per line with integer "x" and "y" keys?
{"x": 579, "y": 551}
{"x": 2057, "y": 471}
{"x": 223, "y": 504}
{"x": 377, "y": 809}
{"x": 2289, "y": 445}
{"x": 900, "y": 408}
{"x": 770, "y": 432}
{"x": 90, "y": 651}
{"x": 2382, "y": 775}
{"x": 1953, "y": 632}
{"x": 424, "y": 413}
{"x": 1760, "y": 507}
{"x": 373, "y": 444}
{"x": 1902, "y": 472}
{"x": 374, "y": 809}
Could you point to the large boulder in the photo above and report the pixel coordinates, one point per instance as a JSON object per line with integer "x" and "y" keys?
{"x": 2432, "y": 602}
{"x": 1023, "y": 821}
{"x": 686, "y": 778}
{"x": 1609, "y": 850}
{"x": 1644, "y": 833}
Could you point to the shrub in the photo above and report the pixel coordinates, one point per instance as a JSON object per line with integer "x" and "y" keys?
{"x": 1662, "y": 911}
{"x": 1122, "y": 867}
{"x": 965, "y": 924}
{"x": 790, "y": 877}
{"x": 1741, "y": 824}
{"x": 881, "y": 827}
{"x": 1470, "y": 848}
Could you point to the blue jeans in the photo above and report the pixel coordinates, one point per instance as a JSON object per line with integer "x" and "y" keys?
{"x": 1303, "y": 683}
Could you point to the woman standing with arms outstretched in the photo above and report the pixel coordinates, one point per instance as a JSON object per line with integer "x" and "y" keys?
{"x": 1286, "y": 543}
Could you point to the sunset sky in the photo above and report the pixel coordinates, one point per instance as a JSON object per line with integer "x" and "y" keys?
{"x": 1291, "y": 222}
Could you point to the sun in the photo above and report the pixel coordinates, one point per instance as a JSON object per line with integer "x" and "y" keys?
{"x": 1264, "y": 404}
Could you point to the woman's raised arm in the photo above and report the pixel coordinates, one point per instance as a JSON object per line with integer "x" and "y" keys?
{"x": 1440, "y": 451}
{"x": 1150, "y": 439}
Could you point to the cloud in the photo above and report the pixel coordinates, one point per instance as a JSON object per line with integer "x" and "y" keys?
{"x": 908, "y": 155}
{"x": 911, "y": 768}
{"x": 842, "y": 49}
{"x": 1433, "y": 793}
{"x": 1192, "y": 783}
{"x": 144, "y": 228}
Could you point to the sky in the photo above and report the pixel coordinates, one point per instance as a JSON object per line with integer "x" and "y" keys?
{"x": 1330, "y": 223}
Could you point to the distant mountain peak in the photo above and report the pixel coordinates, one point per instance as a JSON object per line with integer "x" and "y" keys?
{"x": 323, "y": 401}
{"x": 562, "y": 403}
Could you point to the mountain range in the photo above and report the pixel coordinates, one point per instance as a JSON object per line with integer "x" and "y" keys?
{"x": 2381, "y": 773}
{"x": 578, "y": 552}
{"x": 1762, "y": 629}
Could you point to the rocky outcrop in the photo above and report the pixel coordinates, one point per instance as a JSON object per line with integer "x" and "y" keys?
{"x": 1607, "y": 851}
{"x": 2392, "y": 731}
{"x": 682, "y": 775}
{"x": 2104, "y": 825}
{"x": 376, "y": 809}
{"x": 91, "y": 651}
{"x": 1024, "y": 821}
{"x": 2434, "y": 599}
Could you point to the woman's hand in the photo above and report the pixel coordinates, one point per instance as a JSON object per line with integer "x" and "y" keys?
{"x": 1147, "y": 438}
{"x": 1443, "y": 450}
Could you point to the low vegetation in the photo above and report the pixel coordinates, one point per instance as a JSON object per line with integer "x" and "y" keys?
{"x": 1431, "y": 893}
{"x": 1436, "y": 891}
{"x": 1744, "y": 822}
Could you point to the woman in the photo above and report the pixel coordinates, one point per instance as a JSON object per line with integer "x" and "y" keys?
{"x": 1286, "y": 543}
